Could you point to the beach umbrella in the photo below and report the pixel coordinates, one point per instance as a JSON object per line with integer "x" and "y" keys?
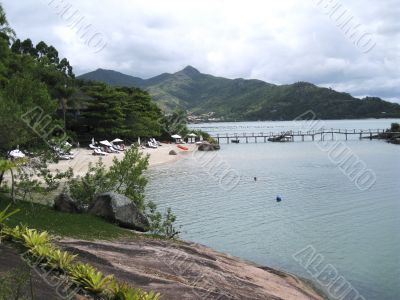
{"x": 138, "y": 140}
{"x": 93, "y": 141}
{"x": 106, "y": 143}
{"x": 16, "y": 154}
{"x": 176, "y": 136}
{"x": 117, "y": 141}
{"x": 192, "y": 135}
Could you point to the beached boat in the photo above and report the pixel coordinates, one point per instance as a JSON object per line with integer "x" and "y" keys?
{"x": 183, "y": 147}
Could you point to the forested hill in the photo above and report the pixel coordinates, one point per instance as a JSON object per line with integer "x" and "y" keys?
{"x": 33, "y": 77}
{"x": 240, "y": 99}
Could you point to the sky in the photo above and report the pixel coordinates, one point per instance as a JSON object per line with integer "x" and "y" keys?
{"x": 352, "y": 46}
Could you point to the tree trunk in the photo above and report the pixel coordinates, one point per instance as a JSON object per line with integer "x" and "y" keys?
{"x": 1, "y": 177}
{"x": 12, "y": 186}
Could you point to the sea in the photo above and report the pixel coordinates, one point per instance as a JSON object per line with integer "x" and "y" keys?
{"x": 338, "y": 220}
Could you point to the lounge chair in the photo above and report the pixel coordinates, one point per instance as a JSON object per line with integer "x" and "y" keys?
{"x": 151, "y": 145}
{"x": 99, "y": 152}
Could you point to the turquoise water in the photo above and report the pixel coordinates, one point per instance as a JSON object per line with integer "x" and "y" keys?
{"x": 356, "y": 231}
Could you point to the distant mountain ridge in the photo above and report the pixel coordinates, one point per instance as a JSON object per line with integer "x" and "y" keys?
{"x": 247, "y": 99}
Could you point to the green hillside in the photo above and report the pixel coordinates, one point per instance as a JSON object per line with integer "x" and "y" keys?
{"x": 240, "y": 99}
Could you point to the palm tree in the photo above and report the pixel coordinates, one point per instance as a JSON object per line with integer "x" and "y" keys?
{"x": 5, "y": 29}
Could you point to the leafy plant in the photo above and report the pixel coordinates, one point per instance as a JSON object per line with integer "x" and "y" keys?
{"x": 162, "y": 225}
{"x": 124, "y": 177}
{"x": 4, "y": 214}
{"x": 122, "y": 291}
{"x": 33, "y": 238}
{"x": 60, "y": 259}
{"x": 95, "y": 181}
{"x": 92, "y": 280}
{"x": 42, "y": 251}
{"x": 15, "y": 232}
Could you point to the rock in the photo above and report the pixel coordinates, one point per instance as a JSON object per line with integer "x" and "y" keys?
{"x": 168, "y": 266}
{"x": 173, "y": 152}
{"x": 205, "y": 146}
{"x": 120, "y": 209}
{"x": 65, "y": 203}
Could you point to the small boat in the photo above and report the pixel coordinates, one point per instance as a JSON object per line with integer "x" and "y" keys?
{"x": 183, "y": 147}
{"x": 235, "y": 141}
{"x": 278, "y": 199}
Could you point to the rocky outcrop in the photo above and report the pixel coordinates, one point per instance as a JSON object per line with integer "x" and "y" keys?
{"x": 205, "y": 146}
{"x": 119, "y": 209}
{"x": 173, "y": 152}
{"x": 65, "y": 203}
{"x": 186, "y": 271}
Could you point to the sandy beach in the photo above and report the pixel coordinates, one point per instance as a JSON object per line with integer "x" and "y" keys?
{"x": 83, "y": 157}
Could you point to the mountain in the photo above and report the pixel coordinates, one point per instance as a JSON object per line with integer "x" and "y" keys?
{"x": 242, "y": 99}
{"x": 112, "y": 77}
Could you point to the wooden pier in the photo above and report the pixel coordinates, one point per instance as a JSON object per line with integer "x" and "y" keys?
{"x": 290, "y": 136}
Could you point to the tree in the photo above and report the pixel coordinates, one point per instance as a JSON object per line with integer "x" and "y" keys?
{"x": 5, "y": 30}
{"x": 141, "y": 115}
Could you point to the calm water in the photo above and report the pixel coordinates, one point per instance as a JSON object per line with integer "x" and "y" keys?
{"x": 355, "y": 231}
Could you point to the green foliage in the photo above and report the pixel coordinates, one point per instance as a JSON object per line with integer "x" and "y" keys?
{"x": 82, "y": 226}
{"x": 59, "y": 259}
{"x": 206, "y": 136}
{"x": 91, "y": 279}
{"x": 95, "y": 181}
{"x": 174, "y": 123}
{"x": 15, "y": 232}
{"x": 33, "y": 238}
{"x": 6, "y": 32}
{"x": 5, "y": 214}
{"x": 161, "y": 224}
{"x": 123, "y": 112}
{"x": 124, "y": 177}
{"x": 241, "y": 99}
{"x": 122, "y": 291}
{"x": 395, "y": 127}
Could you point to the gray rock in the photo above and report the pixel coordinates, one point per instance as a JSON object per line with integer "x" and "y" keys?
{"x": 205, "y": 146}
{"x": 119, "y": 209}
{"x": 65, "y": 203}
{"x": 173, "y": 152}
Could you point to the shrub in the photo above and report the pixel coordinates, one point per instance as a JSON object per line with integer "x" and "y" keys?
{"x": 122, "y": 291}
{"x": 4, "y": 214}
{"x": 395, "y": 127}
{"x": 92, "y": 280}
{"x": 124, "y": 177}
{"x": 33, "y": 238}
{"x": 162, "y": 225}
{"x": 94, "y": 182}
{"x": 61, "y": 260}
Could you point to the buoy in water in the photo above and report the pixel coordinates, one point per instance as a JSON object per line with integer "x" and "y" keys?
{"x": 278, "y": 199}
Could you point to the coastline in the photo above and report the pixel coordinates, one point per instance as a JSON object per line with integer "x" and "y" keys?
{"x": 186, "y": 270}
{"x": 83, "y": 157}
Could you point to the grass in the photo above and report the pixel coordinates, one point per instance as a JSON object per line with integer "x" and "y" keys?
{"x": 82, "y": 226}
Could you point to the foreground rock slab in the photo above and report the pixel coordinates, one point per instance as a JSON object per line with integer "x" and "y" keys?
{"x": 181, "y": 270}
{"x": 119, "y": 209}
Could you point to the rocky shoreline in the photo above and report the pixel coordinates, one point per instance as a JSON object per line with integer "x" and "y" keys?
{"x": 183, "y": 270}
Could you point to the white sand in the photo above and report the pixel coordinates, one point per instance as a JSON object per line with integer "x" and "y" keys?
{"x": 83, "y": 157}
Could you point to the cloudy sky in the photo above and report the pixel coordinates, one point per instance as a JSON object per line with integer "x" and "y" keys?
{"x": 276, "y": 41}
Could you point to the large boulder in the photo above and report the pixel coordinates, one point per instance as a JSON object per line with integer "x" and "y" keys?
{"x": 119, "y": 209}
{"x": 173, "y": 152}
{"x": 65, "y": 203}
{"x": 205, "y": 146}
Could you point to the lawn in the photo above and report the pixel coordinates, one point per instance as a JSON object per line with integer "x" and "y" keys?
{"x": 42, "y": 217}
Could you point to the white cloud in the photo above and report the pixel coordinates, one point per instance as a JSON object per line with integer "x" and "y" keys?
{"x": 276, "y": 41}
